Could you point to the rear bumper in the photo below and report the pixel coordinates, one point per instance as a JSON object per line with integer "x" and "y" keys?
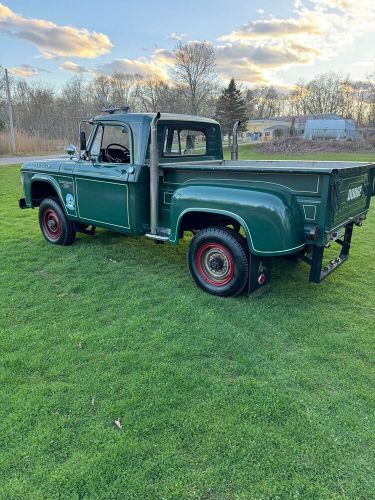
{"x": 318, "y": 271}
{"x": 358, "y": 219}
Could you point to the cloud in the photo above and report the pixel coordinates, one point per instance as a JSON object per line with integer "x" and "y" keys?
{"x": 53, "y": 40}
{"x": 158, "y": 65}
{"x": 242, "y": 69}
{"x": 75, "y": 68}
{"x": 256, "y": 52}
{"x": 259, "y": 50}
{"x": 27, "y": 71}
{"x": 271, "y": 57}
{"x": 266, "y": 28}
{"x": 364, "y": 64}
{"x": 256, "y": 64}
{"x": 317, "y": 30}
{"x": 177, "y": 36}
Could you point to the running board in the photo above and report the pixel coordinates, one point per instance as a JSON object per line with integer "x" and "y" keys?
{"x": 157, "y": 237}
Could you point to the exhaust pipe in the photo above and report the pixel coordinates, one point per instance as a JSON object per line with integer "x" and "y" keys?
{"x": 154, "y": 175}
{"x": 234, "y": 150}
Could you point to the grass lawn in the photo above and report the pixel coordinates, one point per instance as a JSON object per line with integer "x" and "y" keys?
{"x": 247, "y": 152}
{"x": 270, "y": 397}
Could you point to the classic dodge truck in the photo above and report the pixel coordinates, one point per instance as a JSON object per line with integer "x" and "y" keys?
{"x": 161, "y": 175}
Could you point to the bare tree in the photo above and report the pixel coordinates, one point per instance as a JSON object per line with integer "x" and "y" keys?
{"x": 3, "y": 100}
{"x": 151, "y": 94}
{"x": 46, "y": 113}
{"x": 74, "y": 103}
{"x": 264, "y": 102}
{"x": 356, "y": 107}
{"x": 371, "y": 98}
{"x": 34, "y": 104}
{"x": 101, "y": 89}
{"x": 324, "y": 94}
{"x": 195, "y": 72}
{"x": 122, "y": 87}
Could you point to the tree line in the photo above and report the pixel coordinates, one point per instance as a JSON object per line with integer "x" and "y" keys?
{"x": 193, "y": 87}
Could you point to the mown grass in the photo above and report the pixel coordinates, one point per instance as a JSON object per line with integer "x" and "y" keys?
{"x": 270, "y": 397}
{"x": 247, "y": 152}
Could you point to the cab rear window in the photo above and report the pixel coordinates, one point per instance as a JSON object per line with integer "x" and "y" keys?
{"x": 184, "y": 142}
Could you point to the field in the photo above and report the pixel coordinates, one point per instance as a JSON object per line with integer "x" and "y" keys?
{"x": 260, "y": 398}
{"x": 30, "y": 144}
{"x": 248, "y": 152}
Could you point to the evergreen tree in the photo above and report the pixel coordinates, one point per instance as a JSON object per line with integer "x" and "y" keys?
{"x": 231, "y": 106}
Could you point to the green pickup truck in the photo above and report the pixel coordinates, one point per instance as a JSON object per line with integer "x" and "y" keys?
{"x": 161, "y": 175}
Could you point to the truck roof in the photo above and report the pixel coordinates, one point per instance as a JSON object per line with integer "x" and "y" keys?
{"x": 140, "y": 125}
{"x": 137, "y": 117}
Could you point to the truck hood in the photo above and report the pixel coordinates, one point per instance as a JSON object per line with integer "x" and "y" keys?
{"x": 47, "y": 165}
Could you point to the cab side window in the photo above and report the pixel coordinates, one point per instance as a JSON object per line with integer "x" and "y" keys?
{"x": 111, "y": 144}
{"x": 184, "y": 142}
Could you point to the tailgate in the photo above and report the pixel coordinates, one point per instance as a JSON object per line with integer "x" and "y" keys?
{"x": 351, "y": 191}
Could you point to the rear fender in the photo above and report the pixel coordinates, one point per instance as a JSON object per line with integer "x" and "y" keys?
{"x": 272, "y": 221}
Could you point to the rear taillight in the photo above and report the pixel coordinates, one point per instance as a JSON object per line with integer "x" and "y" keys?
{"x": 312, "y": 234}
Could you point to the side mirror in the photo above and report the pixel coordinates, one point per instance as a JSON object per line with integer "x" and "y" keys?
{"x": 82, "y": 141}
{"x": 71, "y": 150}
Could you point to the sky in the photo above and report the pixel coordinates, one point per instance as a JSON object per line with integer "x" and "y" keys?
{"x": 256, "y": 42}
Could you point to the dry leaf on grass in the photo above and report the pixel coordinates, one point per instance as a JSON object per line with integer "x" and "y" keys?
{"x": 118, "y": 423}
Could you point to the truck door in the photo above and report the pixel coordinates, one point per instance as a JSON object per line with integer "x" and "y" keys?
{"x": 101, "y": 182}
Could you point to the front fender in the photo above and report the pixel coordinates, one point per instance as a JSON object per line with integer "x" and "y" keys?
{"x": 272, "y": 221}
{"x": 29, "y": 180}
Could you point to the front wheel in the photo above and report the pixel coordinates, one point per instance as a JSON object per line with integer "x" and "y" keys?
{"x": 218, "y": 262}
{"x": 54, "y": 224}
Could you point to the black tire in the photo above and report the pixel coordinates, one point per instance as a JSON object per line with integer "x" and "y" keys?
{"x": 54, "y": 224}
{"x": 218, "y": 261}
{"x": 241, "y": 240}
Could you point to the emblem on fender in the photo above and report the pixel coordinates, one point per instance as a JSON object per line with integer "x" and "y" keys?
{"x": 69, "y": 201}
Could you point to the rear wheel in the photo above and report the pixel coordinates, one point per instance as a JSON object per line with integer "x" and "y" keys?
{"x": 218, "y": 262}
{"x": 54, "y": 224}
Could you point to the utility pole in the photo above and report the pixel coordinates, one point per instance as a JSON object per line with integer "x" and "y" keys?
{"x": 12, "y": 138}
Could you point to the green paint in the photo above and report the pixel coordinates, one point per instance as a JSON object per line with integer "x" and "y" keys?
{"x": 277, "y": 202}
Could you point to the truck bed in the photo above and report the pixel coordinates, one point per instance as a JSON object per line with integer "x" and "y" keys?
{"x": 330, "y": 193}
{"x": 271, "y": 165}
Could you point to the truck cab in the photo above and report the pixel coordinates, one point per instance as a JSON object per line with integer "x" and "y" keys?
{"x": 160, "y": 175}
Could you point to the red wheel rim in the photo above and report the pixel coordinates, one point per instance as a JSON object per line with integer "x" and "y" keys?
{"x": 51, "y": 224}
{"x": 215, "y": 264}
